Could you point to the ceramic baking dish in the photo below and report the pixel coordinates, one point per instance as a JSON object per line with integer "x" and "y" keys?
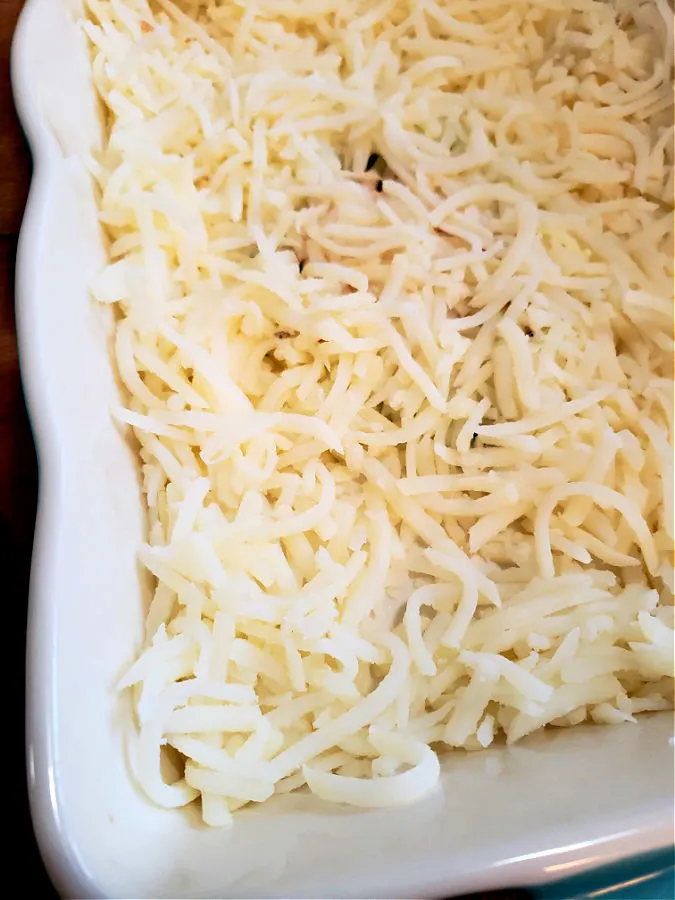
{"x": 560, "y": 803}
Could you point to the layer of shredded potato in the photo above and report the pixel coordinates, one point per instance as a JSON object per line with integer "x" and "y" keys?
{"x": 395, "y": 324}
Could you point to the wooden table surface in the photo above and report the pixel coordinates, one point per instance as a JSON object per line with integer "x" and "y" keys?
{"x": 18, "y": 469}
{"x": 17, "y": 460}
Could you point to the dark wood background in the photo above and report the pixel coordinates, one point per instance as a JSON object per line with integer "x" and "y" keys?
{"x": 18, "y": 468}
{"x": 17, "y": 459}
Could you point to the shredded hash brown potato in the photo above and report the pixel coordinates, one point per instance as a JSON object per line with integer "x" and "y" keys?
{"x": 393, "y": 282}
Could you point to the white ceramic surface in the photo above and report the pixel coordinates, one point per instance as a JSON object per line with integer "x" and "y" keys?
{"x": 557, "y": 804}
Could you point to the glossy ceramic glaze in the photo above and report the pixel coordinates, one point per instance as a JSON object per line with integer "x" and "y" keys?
{"x": 556, "y": 805}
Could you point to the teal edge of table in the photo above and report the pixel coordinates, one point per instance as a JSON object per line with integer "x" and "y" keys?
{"x": 650, "y": 876}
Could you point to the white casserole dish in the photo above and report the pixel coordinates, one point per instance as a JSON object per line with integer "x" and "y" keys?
{"x": 558, "y": 804}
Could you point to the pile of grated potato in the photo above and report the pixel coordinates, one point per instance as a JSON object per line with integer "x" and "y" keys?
{"x": 393, "y": 283}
